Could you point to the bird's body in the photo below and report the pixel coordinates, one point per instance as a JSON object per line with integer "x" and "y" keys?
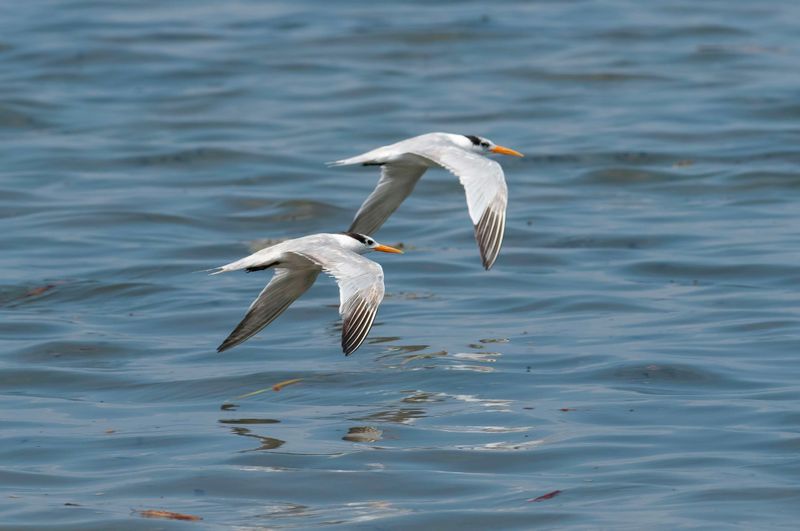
{"x": 403, "y": 164}
{"x": 297, "y": 264}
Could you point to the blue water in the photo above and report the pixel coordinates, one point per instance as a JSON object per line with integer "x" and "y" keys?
{"x": 635, "y": 346}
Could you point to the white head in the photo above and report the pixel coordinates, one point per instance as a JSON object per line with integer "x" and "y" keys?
{"x": 483, "y": 146}
{"x": 360, "y": 243}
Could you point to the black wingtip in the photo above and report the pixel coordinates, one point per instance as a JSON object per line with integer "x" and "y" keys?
{"x": 489, "y": 235}
{"x": 488, "y": 259}
{"x": 231, "y": 341}
{"x": 348, "y": 352}
{"x": 347, "y": 345}
{"x": 357, "y": 325}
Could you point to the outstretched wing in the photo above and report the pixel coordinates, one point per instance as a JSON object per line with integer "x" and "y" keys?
{"x": 396, "y": 183}
{"x": 360, "y": 291}
{"x": 487, "y": 194}
{"x": 284, "y": 288}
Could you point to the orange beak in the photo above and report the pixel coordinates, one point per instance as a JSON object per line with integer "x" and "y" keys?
{"x": 506, "y": 151}
{"x": 387, "y": 249}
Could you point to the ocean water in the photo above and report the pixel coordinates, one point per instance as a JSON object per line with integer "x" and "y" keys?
{"x": 636, "y": 346}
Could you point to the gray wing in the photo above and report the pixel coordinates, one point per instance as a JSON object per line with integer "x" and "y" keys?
{"x": 396, "y": 183}
{"x": 487, "y": 194}
{"x": 284, "y": 288}
{"x": 360, "y": 291}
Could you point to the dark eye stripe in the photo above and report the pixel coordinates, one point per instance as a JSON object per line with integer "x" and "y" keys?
{"x": 474, "y": 139}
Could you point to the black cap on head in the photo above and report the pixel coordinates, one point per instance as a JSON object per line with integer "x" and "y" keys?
{"x": 474, "y": 139}
{"x": 357, "y": 236}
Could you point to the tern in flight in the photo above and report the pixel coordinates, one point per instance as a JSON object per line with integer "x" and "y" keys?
{"x": 402, "y": 165}
{"x": 297, "y": 263}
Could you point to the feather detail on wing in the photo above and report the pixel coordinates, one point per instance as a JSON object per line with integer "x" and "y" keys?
{"x": 396, "y": 183}
{"x": 487, "y": 194}
{"x": 284, "y": 288}
{"x": 360, "y": 292}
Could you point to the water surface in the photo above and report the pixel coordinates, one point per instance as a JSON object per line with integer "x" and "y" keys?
{"x": 635, "y": 346}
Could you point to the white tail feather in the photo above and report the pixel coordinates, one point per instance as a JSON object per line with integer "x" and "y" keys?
{"x": 343, "y": 162}
{"x": 216, "y": 270}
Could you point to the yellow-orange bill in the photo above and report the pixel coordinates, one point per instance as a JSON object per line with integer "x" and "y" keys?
{"x": 387, "y": 249}
{"x": 506, "y": 151}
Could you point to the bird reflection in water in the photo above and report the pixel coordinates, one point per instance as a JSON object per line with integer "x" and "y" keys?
{"x": 396, "y": 415}
{"x": 363, "y": 434}
{"x": 417, "y": 396}
{"x": 400, "y": 355}
{"x": 266, "y": 443}
{"x": 414, "y": 353}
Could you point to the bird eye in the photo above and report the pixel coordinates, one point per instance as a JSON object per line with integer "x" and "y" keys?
{"x": 484, "y": 144}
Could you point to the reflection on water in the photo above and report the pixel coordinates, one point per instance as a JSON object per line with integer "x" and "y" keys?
{"x": 493, "y": 404}
{"x": 248, "y": 421}
{"x": 474, "y": 368}
{"x": 487, "y": 429}
{"x": 287, "y": 510}
{"x": 416, "y": 357}
{"x": 351, "y": 513}
{"x": 485, "y": 357}
{"x": 402, "y": 349}
{"x": 377, "y": 340}
{"x": 504, "y": 445}
{"x": 422, "y": 396}
{"x": 395, "y": 415}
{"x": 363, "y": 434}
{"x": 402, "y": 352}
{"x": 266, "y": 443}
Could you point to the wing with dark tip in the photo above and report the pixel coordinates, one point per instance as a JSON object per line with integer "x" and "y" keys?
{"x": 360, "y": 292}
{"x": 396, "y": 183}
{"x": 487, "y": 194}
{"x": 284, "y": 288}
{"x": 357, "y": 322}
{"x": 489, "y": 232}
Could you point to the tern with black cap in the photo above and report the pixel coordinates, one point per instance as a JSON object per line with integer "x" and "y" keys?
{"x": 403, "y": 163}
{"x": 297, "y": 264}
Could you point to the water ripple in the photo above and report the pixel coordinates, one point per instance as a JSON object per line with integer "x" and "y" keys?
{"x": 633, "y": 350}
